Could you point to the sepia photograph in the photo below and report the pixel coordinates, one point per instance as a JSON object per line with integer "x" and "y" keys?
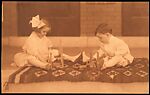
{"x": 75, "y": 47}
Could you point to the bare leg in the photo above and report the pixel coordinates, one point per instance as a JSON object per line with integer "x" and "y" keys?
{"x": 36, "y": 62}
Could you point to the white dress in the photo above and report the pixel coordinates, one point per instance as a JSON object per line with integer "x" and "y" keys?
{"x": 119, "y": 50}
{"x": 36, "y": 51}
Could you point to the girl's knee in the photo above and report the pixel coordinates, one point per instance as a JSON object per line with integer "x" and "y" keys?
{"x": 20, "y": 59}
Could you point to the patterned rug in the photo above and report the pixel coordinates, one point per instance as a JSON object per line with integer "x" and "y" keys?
{"x": 77, "y": 71}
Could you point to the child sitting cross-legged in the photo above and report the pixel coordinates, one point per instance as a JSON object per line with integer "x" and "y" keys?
{"x": 112, "y": 50}
{"x": 37, "y": 50}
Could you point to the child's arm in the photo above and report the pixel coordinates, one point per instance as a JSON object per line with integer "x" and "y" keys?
{"x": 101, "y": 45}
{"x": 122, "y": 49}
{"x": 98, "y": 54}
{"x": 49, "y": 55}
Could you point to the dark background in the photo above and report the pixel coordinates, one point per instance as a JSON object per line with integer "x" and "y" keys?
{"x": 63, "y": 17}
{"x": 66, "y": 18}
{"x": 135, "y": 18}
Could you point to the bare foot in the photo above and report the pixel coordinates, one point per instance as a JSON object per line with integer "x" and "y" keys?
{"x": 103, "y": 68}
{"x": 48, "y": 66}
{"x": 13, "y": 64}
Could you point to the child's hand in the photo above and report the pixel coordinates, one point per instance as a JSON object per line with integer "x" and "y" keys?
{"x": 48, "y": 66}
{"x": 92, "y": 64}
{"x": 103, "y": 67}
{"x": 101, "y": 44}
{"x": 102, "y": 56}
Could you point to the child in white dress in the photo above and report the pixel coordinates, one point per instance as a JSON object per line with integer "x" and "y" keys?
{"x": 113, "y": 50}
{"x": 37, "y": 50}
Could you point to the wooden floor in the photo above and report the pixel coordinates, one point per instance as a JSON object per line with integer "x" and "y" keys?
{"x": 72, "y": 87}
{"x": 79, "y": 87}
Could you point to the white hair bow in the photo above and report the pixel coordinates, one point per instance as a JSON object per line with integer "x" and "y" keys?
{"x": 36, "y": 22}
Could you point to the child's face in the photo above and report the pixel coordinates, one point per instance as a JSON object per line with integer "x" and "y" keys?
{"x": 44, "y": 31}
{"x": 104, "y": 38}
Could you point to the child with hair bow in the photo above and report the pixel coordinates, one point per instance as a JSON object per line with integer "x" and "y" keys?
{"x": 37, "y": 50}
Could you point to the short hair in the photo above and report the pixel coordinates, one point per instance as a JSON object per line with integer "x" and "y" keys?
{"x": 103, "y": 28}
